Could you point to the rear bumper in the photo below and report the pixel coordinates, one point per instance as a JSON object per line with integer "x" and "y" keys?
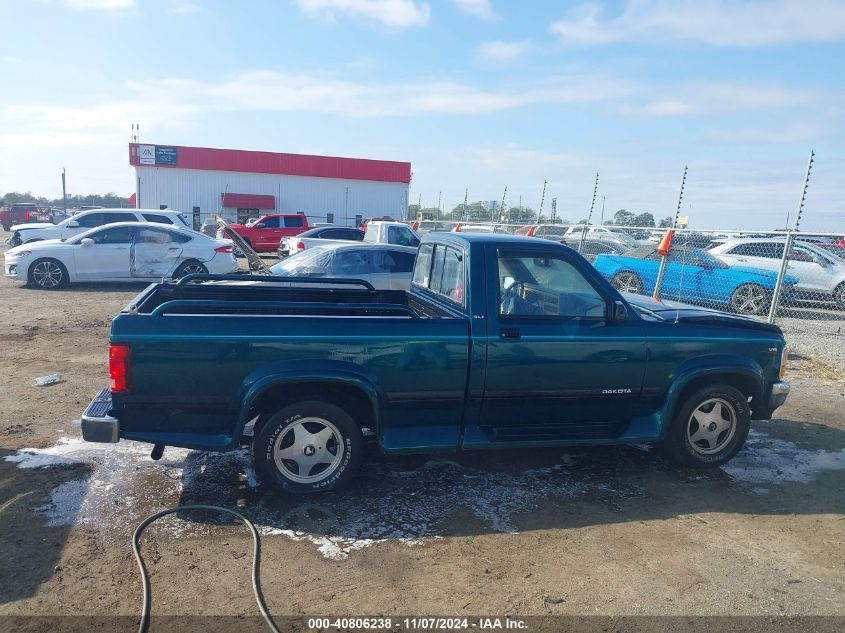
{"x": 97, "y": 423}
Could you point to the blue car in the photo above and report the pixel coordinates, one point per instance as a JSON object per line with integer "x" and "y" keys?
{"x": 693, "y": 276}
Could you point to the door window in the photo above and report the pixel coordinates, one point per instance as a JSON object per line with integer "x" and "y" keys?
{"x": 394, "y": 262}
{"x": 268, "y": 223}
{"x": 162, "y": 219}
{"x": 351, "y": 262}
{"x": 109, "y": 218}
{"x": 294, "y": 221}
{"x": 113, "y": 235}
{"x": 401, "y": 236}
{"x": 91, "y": 220}
{"x": 545, "y": 286}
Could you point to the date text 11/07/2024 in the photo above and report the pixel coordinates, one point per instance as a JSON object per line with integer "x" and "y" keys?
{"x": 417, "y": 623}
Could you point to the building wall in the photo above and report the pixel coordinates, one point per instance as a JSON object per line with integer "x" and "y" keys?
{"x": 183, "y": 189}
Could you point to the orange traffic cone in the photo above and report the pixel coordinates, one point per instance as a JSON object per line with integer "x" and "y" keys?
{"x": 665, "y": 243}
{"x": 457, "y": 228}
{"x": 531, "y": 231}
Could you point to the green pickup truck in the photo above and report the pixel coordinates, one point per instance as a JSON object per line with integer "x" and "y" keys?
{"x": 501, "y": 342}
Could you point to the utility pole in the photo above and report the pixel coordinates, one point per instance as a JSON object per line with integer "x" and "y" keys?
{"x": 439, "y": 194}
{"x": 790, "y": 238}
{"x": 64, "y": 192}
{"x": 502, "y": 209}
{"x": 601, "y": 222}
{"x": 466, "y": 197}
{"x": 661, "y": 272}
{"x": 554, "y": 210}
{"x": 590, "y": 216}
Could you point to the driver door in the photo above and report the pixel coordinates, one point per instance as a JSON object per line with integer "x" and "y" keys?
{"x": 107, "y": 258}
{"x": 556, "y": 369}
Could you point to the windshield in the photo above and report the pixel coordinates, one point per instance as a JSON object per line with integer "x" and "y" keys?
{"x": 312, "y": 261}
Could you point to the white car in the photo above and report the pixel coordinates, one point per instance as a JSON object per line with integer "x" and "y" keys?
{"x": 821, "y": 275}
{"x": 126, "y": 251}
{"x": 81, "y": 222}
{"x": 473, "y": 228}
{"x": 601, "y": 233}
{"x": 385, "y": 266}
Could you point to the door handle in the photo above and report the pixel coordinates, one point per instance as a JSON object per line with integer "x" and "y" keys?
{"x": 741, "y": 259}
{"x": 510, "y": 332}
{"x": 174, "y": 248}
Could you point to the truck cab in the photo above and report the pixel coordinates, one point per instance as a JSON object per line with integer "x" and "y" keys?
{"x": 399, "y": 233}
{"x": 265, "y": 233}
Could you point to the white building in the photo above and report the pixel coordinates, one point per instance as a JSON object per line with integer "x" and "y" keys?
{"x": 240, "y": 184}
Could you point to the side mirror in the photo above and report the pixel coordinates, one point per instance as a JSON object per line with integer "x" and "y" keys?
{"x": 73, "y": 224}
{"x": 87, "y": 242}
{"x": 261, "y": 225}
{"x": 618, "y": 312}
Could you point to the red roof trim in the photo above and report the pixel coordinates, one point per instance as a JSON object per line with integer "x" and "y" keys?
{"x": 247, "y": 201}
{"x": 212, "y": 159}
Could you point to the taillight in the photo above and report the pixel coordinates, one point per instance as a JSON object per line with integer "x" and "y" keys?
{"x": 300, "y": 246}
{"x": 783, "y": 358}
{"x": 119, "y": 367}
{"x": 223, "y": 249}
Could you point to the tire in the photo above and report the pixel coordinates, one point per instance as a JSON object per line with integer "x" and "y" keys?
{"x": 48, "y": 274}
{"x": 190, "y": 267}
{"x": 627, "y": 281}
{"x": 709, "y": 428}
{"x": 280, "y": 454}
{"x": 750, "y": 299}
{"x": 839, "y": 296}
{"x": 238, "y": 252}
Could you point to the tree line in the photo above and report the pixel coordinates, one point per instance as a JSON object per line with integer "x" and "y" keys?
{"x": 110, "y": 199}
{"x": 478, "y": 211}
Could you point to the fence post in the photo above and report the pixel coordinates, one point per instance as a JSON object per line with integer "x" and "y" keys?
{"x": 790, "y": 238}
{"x": 661, "y": 272}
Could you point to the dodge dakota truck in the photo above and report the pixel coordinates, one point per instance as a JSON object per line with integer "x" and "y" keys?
{"x": 501, "y": 342}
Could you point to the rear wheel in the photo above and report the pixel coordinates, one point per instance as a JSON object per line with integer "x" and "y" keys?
{"x": 307, "y": 446}
{"x": 627, "y": 281}
{"x": 191, "y": 267}
{"x": 750, "y": 299}
{"x": 48, "y": 274}
{"x": 709, "y": 428}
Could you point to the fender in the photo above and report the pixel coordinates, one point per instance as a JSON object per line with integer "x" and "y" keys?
{"x": 319, "y": 371}
{"x": 710, "y": 365}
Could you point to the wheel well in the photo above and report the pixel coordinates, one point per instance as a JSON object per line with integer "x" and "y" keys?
{"x": 42, "y": 259}
{"x": 746, "y": 384}
{"x": 350, "y": 398}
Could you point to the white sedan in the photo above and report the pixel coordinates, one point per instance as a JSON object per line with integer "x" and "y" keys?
{"x": 122, "y": 252}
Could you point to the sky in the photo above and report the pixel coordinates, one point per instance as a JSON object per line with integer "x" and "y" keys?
{"x": 477, "y": 95}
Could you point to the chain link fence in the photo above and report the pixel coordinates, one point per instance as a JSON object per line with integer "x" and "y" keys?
{"x": 793, "y": 279}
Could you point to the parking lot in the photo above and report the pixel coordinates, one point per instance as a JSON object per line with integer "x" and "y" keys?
{"x": 612, "y": 531}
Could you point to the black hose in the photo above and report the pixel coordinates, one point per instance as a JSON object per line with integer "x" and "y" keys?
{"x": 256, "y": 562}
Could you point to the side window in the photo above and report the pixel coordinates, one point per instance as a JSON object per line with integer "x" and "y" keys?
{"x": 269, "y": 223}
{"x": 351, "y": 262}
{"x": 110, "y": 218}
{"x": 743, "y": 249}
{"x": 393, "y": 262}
{"x": 115, "y": 235}
{"x": 333, "y": 234}
{"x": 422, "y": 269}
{"x": 399, "y": 235}
{"x": 155, "y": 217}
{"x": 153, "y": 236}
{"x": 545, "y": 286}
{"x": 91, "y": 220}
{"x": 294, "y": 222}
{"x": 802, "y": 254}
{"x": 353, "y": 234}
{"x": 452, "y": 281}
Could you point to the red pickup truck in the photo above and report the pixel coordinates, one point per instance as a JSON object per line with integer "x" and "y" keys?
{"x": 267, "y": 232}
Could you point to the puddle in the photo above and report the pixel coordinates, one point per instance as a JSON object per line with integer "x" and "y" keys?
{"x": 407, "y": 499}
{"x": 773, "y": 461}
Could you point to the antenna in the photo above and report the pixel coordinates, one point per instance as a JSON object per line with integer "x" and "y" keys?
{"x": 590, "y": 216}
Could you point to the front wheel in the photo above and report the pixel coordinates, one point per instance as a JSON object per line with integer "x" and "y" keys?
{"x": 709, "y": 428}
{"x": 750, "y": 299}
{"x": 839, "y": 296}
{"x": 308, "y": 446}
{"x": 48, "y": 274}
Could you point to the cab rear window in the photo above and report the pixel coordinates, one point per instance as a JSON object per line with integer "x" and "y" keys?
{"x": 441, "y": 269}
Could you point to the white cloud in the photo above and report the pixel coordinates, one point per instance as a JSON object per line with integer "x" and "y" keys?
{"x": 101, "y": 5}
{"x": 713, "y": 98}
{"x": 10, "y": 59}
{"x": 715, "y": 22}
{"x": 399, "y": 14}
{"x": 499, "y": 51}
{"x": 184, "y": 8}
{"x": 478, "y": 8}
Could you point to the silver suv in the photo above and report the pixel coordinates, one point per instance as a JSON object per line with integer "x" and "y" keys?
{"x": 821, "y": 275}
{"x": 25, "y": 233}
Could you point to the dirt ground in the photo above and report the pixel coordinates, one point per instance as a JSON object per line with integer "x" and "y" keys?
{"x": 613, "y": 531}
